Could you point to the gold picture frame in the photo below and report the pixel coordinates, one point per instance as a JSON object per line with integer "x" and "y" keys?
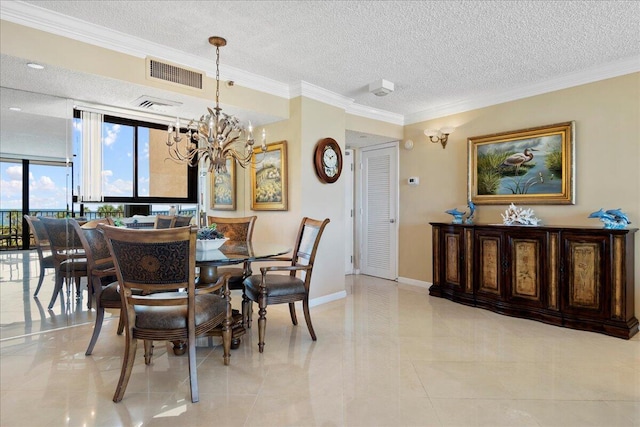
{"x": 269, "y": 178}
{"x": 528, "y": 166}
{"x": 223, "y": 188}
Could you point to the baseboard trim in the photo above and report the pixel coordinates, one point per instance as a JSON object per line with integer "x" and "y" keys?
{"x": 414, "y": 282}
{"x": 327, "y": 298}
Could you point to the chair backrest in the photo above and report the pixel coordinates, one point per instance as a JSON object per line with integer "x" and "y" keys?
{"x": 40, "y": 235}
{"x": 95, "y": 245}
{"x": 183, "y": 220}
{"x": 306, "y": 246}
{"x": 153, "y": 261}
{"x": 236, "y": 229}
{"x": 94, "y": 222}
{"x": 165, "y": 221}
{"x": 62, "y": 236}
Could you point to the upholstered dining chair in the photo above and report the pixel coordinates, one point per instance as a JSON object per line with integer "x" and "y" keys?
{"x": 165, "y": 221}
{"x": 267, "y": 288}
{"x": 101, "y": 276}
{"x": 94, "y": 222}
{"x": 102, "y": 264}
{"x": 161, "y": 264}
{"x": 43, "y": 247}
{"x": 68, "y": 255}
{"x": 238, "y": 229}
{"x": 183, "y": 220}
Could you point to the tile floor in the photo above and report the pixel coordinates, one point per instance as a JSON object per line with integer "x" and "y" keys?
{"x": 387, "y": 355}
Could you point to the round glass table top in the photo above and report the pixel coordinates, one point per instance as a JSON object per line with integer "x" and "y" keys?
{"x": 233, "y": 252}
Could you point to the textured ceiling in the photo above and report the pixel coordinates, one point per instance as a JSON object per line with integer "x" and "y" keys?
{"x": 437, "y": 53}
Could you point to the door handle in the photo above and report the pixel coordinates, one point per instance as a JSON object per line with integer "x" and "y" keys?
{"x": 392, "y": 221}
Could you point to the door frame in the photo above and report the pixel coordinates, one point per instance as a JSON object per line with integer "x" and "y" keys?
{"x": 350, "y": 209}
{"x": 359, "y": 214}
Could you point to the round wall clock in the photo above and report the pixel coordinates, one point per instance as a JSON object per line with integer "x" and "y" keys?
{"x": 328, "y": 160}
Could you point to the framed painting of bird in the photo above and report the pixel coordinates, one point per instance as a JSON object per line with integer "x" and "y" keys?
{"x": 532, "y": 166}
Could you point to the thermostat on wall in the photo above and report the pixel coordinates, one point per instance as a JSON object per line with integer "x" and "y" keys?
{"x": 413, "y": 180}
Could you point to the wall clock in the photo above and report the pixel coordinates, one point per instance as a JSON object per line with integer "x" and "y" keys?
{"x": 328, "y": 160}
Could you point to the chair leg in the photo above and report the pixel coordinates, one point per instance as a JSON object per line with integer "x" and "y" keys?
{"x": 193, "y": 370}
{"x": 96, "y": 329}
{"x": 226, "y": 341}
{"x": 245, "y": 310}
{"x": 262, "y": 324}
{"x": 40, "y": 280}
{"x": 91, "y": 293}
{"x": 292, "y": 312}
{"x": 120, "y": 324}
{"x": 78, "y": 290}
{"x": 227, "y": 334}
{"x": 307, "y": 317}
{"x": 248, "y": 314}
{"x": 127, "y": 365}
{"x": 148, "y": 351}
{"x": 56, "y": 290}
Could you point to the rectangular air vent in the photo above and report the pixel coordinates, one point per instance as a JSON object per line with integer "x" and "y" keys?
{"x": 171, "y": 73}
{"x": 156, "y": 104}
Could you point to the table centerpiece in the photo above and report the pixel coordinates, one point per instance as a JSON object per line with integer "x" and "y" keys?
{"x": 209, "y": 238}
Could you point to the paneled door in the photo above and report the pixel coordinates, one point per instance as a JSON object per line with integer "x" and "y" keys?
{"x": 379, "y": 255}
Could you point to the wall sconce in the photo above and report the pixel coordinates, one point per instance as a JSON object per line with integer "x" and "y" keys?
{"x": 439, "y": 135}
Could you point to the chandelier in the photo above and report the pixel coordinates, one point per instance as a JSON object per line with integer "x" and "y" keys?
{"x": 216, "y": 137}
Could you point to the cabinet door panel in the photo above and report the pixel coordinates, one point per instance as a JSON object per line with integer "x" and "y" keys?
{"x": 526, "y": 267}
{"x": 489, "y": 283}
{"x": 584, "y": 267}
{"x": 452, "y": 251}
{"x": 452, "y": 256}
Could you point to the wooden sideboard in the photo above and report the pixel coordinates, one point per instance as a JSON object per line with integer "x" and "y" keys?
{"x": 577, "y": 277}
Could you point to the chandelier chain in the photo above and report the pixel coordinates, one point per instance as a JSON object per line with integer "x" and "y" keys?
{"x": 216, "y": 137}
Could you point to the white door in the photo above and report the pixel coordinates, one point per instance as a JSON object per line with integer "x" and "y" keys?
{"x": 379, "y": 256}
{"x": 348, "y": 172}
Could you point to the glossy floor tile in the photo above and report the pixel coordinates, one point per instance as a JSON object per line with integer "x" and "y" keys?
{"x": 387, "y": 355}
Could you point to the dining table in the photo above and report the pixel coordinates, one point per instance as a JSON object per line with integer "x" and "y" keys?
{"x": 230, "y": 253}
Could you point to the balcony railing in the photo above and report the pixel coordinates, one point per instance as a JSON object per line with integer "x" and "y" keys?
{"x": 11, "y": 222}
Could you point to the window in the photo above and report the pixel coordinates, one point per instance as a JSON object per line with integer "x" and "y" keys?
{"x": 131, "y": 157}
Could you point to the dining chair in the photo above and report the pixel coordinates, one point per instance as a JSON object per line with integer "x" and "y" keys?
{"x": 238, "y": 229}
{"x": 183, "y": 220}
{"x": 94, "y": 222}
{"x": 101, "y": 276}
{"x": 68, "y": 255}
{"x": 161, "y": 264}
{"x": 43, "y": 247}
{"x": 165, "y": 221}
{"x": 267, "y": 288}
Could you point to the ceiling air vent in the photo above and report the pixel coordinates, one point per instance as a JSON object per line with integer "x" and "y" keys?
{"x": 156, "y": 104}
{"x": 171, "y": 73}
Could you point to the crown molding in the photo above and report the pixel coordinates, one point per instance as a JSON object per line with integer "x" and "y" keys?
{"x": 376, "y": 114}
{"x": 55, "y": 23}
{"x": 75, "y": 29}
{"x": 317, "y": 93}
{"x": 594, "y": 74}
{"x": 312, "y": 91}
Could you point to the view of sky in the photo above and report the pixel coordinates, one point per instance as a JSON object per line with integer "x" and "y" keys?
{"x": 50, "y": 186}
{"x": 47, "y": 186}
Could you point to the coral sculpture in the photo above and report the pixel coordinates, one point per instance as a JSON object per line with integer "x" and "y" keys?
{"x": 519, "y": 216}
{"x": 612, "y": 219}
